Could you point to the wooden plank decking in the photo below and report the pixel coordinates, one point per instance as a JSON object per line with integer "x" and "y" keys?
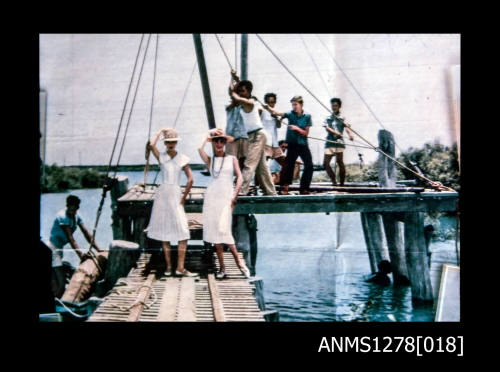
{"x": 173, "y": 299}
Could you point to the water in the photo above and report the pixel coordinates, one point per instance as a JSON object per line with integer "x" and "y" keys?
{"x": 310, "y": 272}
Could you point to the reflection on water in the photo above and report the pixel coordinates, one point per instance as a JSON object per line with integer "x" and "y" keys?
{"x": 313, "y": 265}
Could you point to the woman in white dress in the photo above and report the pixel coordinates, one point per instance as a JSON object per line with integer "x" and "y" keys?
{"x": 168, "y": 222}
{"x": 220, "y": 198}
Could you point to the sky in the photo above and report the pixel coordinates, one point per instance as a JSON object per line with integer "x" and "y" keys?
{"x": 407, "y": 83}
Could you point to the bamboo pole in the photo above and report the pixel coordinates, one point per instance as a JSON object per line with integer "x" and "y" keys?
{"x": 136, "y": 309}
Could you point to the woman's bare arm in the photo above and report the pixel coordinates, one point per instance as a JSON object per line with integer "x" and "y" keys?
{"x": 203, "y": 154}
{"x": 189, "y": 184}
{"x": 239, "y": 181}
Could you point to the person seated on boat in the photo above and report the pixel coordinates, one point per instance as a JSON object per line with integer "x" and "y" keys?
{"x": 61, "y": 233}
{"x": 236, "y": 129}
{"x": 334, "y": 125}
{"x": 168, "y": 222}
{"x": 381, "y": 277}
{"x": 277, "y": 170}
{"x": 255, "y": 163}
{"x": 296, "y": 138}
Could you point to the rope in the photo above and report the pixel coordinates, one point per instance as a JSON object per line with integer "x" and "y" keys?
{"x": 223, "y": 51}
{"x": 136, "y": 302}
{"x": 185, "y": 94}
{"x": 433, "y": 184}
{"x": 124, "y": 105}
{"x": 355, "y": 89}
{"x": 146, "y": 169}
{"x": 112, "y": 154}
{"x": 360, "y": 156}
{"x": 108, "y": 184}
{"x": 291, "y": 73}
{"x": 180, "y": 108}
{"x": 315, "y": 65}
{"x": 133, "y": 103}
{"x": 69, "y": 310}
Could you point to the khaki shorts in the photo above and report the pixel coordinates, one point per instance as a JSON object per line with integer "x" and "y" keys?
{"x": 238, "y": 148}
{"x": 333, "y": 150}
{"x": 273, "y": 152}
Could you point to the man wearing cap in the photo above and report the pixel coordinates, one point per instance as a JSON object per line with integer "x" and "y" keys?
{"x": 61, "y": 233}
{"x": 255, "y": 162}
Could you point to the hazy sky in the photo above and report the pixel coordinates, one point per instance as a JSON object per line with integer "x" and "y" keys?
{"x": 411, "y": 83}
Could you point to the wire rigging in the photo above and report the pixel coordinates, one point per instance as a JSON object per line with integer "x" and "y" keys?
{"x": 434, "y": 184}
{"x": 360, "y": 156}
{"x": 148, "y": 152}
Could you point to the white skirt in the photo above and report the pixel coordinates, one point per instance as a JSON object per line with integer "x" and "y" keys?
{"x": 168, "y": 222}
{"x": 217, "y": 216}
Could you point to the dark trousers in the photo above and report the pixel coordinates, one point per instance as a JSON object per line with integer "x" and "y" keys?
{"x": 293, "y": 152}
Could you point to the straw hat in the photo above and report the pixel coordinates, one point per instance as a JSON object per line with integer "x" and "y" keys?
{"x": 219, "y": 133}
{"x": 170, "y": 135}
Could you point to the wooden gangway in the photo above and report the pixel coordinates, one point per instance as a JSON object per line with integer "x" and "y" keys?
{"x": 147, "y": 295}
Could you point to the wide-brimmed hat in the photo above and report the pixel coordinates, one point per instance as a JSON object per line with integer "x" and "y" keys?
{"x": 170, "y": 135}
{"x": 219, "y": 133}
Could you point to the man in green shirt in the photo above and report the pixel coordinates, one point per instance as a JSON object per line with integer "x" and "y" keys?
{"x": 334, "y": 125}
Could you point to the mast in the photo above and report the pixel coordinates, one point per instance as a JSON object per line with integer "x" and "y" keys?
{"x": 244, "y": 56}
{"x": 204, "y": 80}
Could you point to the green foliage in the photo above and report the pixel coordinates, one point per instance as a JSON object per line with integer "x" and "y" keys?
{"x": 58, "y": 179}
{"x": 437, "y": 162}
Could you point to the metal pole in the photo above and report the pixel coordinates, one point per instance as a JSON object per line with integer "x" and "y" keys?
{"x": 204, "y": 80}
{"x": 244, "y": 56}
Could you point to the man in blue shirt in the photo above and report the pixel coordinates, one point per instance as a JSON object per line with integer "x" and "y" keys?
{"x": 61, "y": 233}
{"x": 296, "y": 137}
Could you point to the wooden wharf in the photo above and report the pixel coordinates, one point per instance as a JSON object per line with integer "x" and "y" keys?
{"x": 392, "y": 216}
{"x": 147, "y": 295}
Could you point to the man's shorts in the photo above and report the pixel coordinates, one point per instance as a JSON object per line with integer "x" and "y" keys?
{"x": 238, "y": 148}
{"x": 333, "y": 150}
{"x": 274, "y": 152}
{"x": 57, "y": 254}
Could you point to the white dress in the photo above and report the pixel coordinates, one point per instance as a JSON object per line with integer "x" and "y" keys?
{"x": 168, "y": 220}
{"x": 217, "y": 212}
